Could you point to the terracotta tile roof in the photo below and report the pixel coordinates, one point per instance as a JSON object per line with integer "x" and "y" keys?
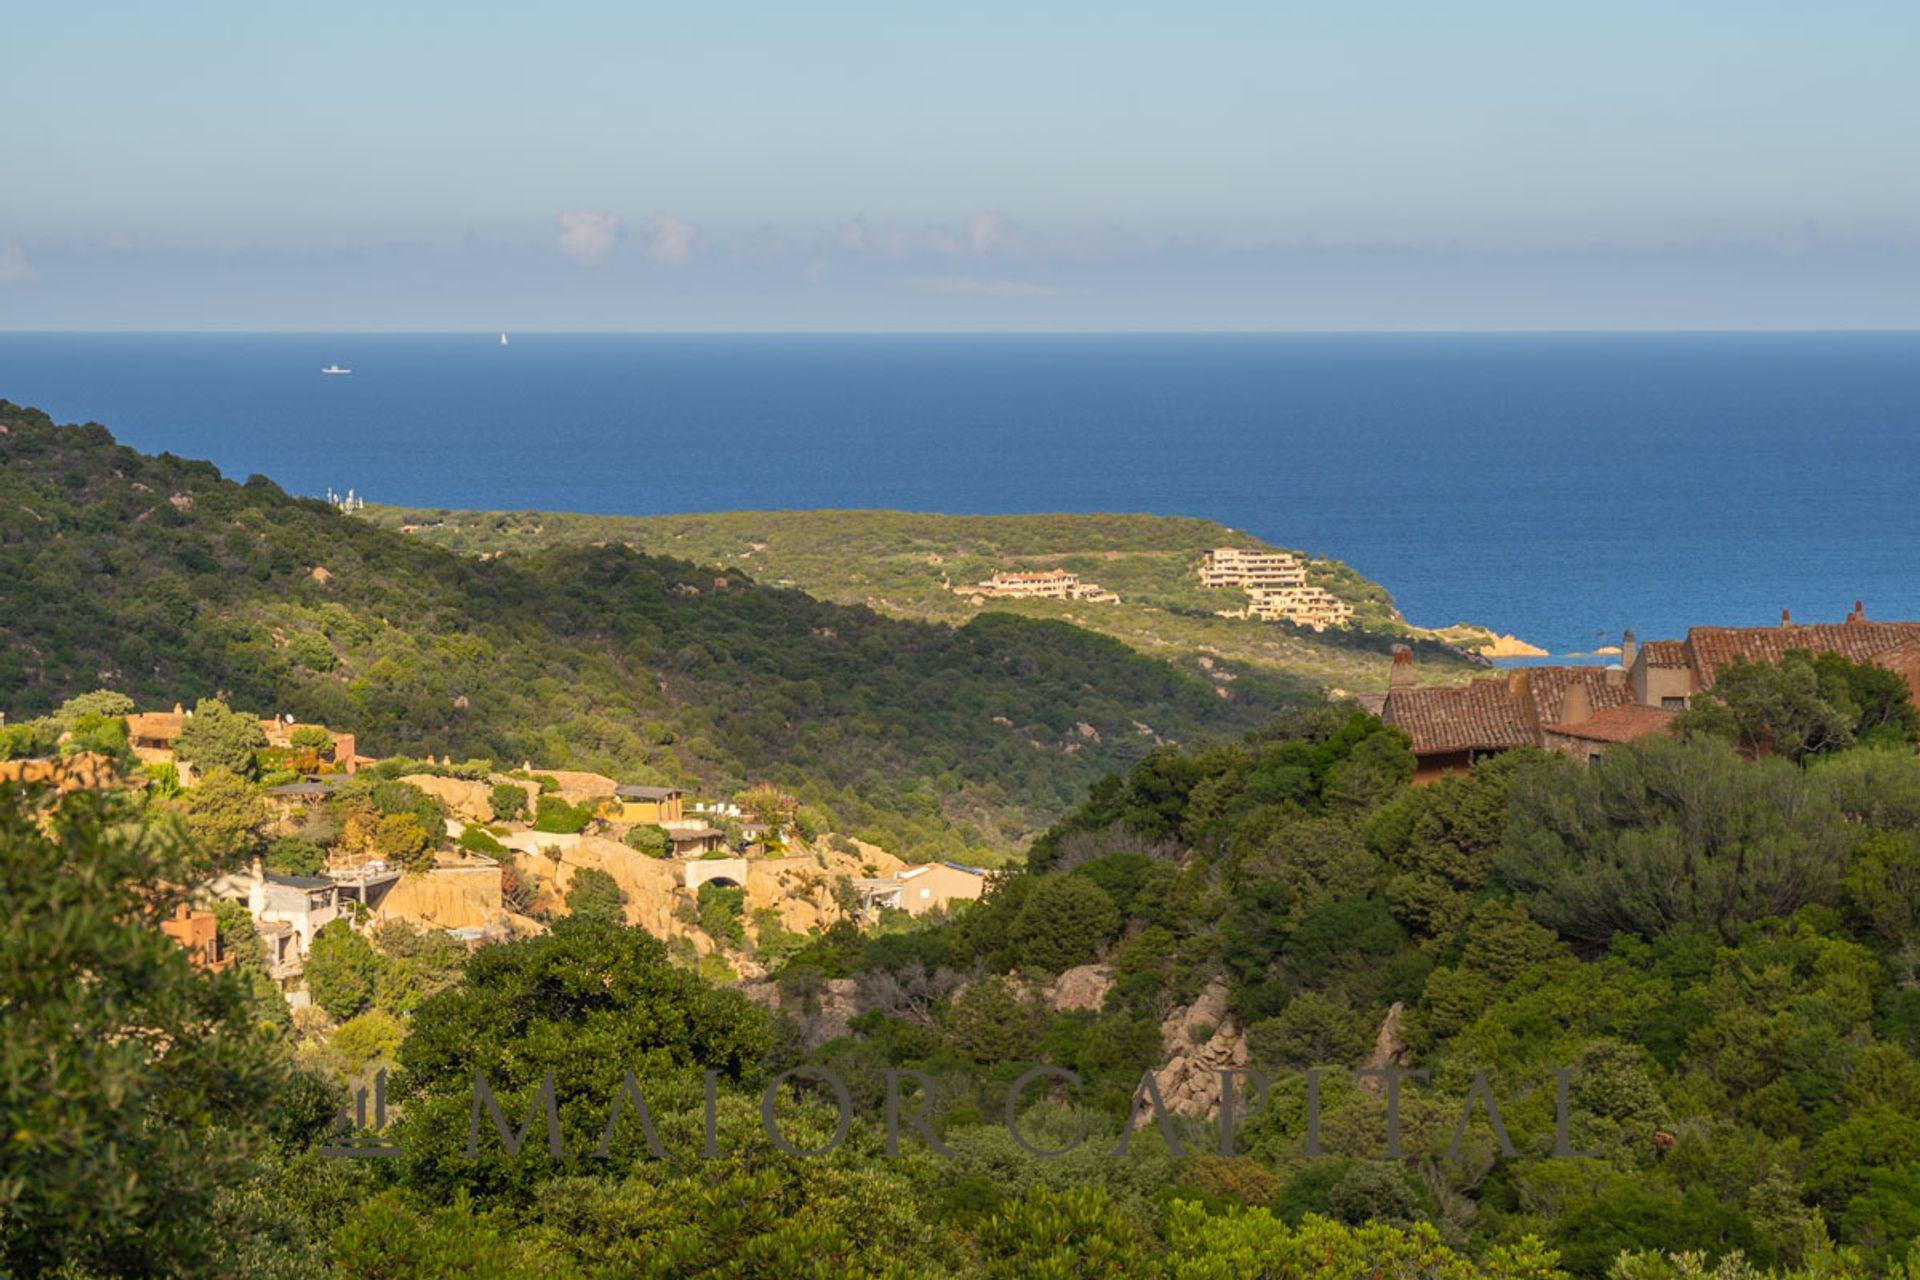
{"x": 1623, "y": 723}
{"x": 1549, "y": 686}
{"x": 1480, "y": 714}
{"x": 1714, "y": 647}
{"x": 1505, "y": 711}
{"x": 1666, "y": 653}
{"x": 1530, "y": 702}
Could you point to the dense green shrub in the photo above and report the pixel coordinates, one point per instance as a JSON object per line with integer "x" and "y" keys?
{"x": 508, "y": 802}
{"x": 651, "y": 840}
{"x": 555, "y": 816}
{"x": 721, "y": 909}
{"x": 342, "y": 970}
{"x": 121, "y": 1159}
{"x": 216, "y": 737}
{"x": 477, "y": 839}
{"x": 593, "y": 895}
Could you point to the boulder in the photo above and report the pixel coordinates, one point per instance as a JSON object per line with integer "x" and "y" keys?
{"x": 651, "y": 886}
{"x": 466, "y": 801}
{"x": 1202, "y": 1039}
{"x": 576, "y": 786}
{"x": 822, "y": 1016}
{"x": 1082, "y": 987}
{"x": 1389, "y": 1050}
{"x": 446, "y": 898}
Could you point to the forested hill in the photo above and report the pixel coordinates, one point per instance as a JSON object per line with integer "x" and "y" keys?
{"x": 1721, "y": 951}
{"x": 908, "y": 564}
{"x": 156, "y": 576}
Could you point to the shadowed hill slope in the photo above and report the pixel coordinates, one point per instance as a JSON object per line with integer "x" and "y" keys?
{"x": 156, "y": 576}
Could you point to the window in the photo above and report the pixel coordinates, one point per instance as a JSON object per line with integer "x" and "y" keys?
{"x": 1673, "y": 704}
{"x": 1593, "y": 757}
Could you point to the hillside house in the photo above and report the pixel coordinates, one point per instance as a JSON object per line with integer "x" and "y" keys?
{"x": 154, "y": 735}
{"x": 918, "y": 890}
{"x": 199, "y": 933}
{"x": 304, "y": 904}
{"x": 290, "y": 800}
{"x": 280, "y": 735}
{"x": 1581, "y": 711}
{"x": 1578, "y": 711}
{"x": 658, "y": 805}
{"x": 151, "y": 736}
{"x": 1669, "y": 673}
{"x": 1275, "y": 583}
{"x": 693, "y": 841}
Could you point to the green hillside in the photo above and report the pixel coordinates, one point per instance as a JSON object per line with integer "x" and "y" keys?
{"x": 157, "y": 577}
{"x": 1719, "y": 951}
{"x": 908, "y": 563}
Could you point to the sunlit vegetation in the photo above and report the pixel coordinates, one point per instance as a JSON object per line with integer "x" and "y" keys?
{"x": 907, "y": 564}
{"x": 155, "y": 577}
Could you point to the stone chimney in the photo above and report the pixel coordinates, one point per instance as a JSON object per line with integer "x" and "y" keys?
{"x": 179, "y": 710}
{"x": 1629, "y": 648}
{"x": 257, "y": 891}
{"x": 1518, "y": 682}
{"x": 1859, "y": 613}
{"x": 1578, "y": 708}
{"x": 1786, "y": 619}
{"x": 1401, "y": 675}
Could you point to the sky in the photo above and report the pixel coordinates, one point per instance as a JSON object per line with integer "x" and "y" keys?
{"x": 725, "y": 165}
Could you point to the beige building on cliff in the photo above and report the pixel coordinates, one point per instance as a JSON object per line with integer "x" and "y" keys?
{"x": 918, "y": 890}
{"x": 1314, "y": 607}
{"x": 1276, "y": 586}
{"x": 1050, "y": 584}
{"x": 1232, "y": 567}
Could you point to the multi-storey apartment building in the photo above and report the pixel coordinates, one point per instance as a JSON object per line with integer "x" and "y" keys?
{"x": 1232, "y": 567}
{"x": 1314, "y": 607}
{"x": 1049, "y": 584}
{"x": 1276, "y": 587}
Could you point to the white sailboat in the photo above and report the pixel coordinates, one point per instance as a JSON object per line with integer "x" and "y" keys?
{"x": 334, "y": 368}
{"x": 503, "y": 339}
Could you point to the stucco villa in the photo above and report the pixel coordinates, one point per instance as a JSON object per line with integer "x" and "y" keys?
{"x": 658, "y": 805}
{"x": 154, "y": 736}
{"x": 917, "y": 890}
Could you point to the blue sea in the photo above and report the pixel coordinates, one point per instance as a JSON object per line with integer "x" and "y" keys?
{"x": 1560, "y": 487}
